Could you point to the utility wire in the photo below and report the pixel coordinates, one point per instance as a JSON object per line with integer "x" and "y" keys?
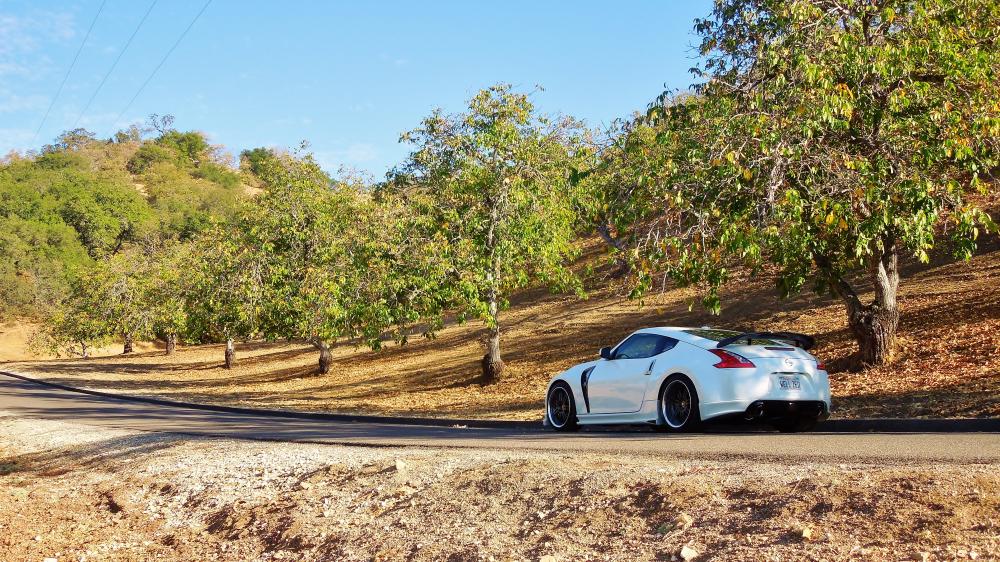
{"x": 110, "y": 70}
{"x": 68, "y": 71}
{"x": 163, "y": 60}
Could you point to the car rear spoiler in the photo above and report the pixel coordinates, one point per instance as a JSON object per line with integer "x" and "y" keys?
{"x": 798, "y": 340}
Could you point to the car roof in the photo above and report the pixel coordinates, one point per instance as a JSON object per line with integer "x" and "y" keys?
{"x": 682, "y": 333}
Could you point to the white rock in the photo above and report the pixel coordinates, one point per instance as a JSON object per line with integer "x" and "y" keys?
{"x": 688, "y": 553}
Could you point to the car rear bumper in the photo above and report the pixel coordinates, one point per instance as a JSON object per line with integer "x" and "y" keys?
{"x": 764, "y": 410}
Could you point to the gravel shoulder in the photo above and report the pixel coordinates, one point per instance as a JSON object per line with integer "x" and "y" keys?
{"x": 71, "y": 492}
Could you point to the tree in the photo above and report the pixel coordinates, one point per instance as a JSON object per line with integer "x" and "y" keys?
{"x": 830, "y": 138}
{"x": 107, "y": 300}
{"x": 226, "y": 298}
{"x": 169, "y": 287}
{"x": 37, "y": 260}
{"x": 72, "y": 329}
{"x": 494, "y": 183}
{"x": 615, "y": 192}
{"x": 319, "y": 260}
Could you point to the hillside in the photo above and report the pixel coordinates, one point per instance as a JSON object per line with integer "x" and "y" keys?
{"x": 948, "y": 364}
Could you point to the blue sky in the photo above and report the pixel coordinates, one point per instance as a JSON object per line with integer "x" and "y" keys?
{"x": 348, "y": 77}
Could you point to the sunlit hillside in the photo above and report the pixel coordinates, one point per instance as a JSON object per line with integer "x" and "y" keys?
{"x": 948, "y": 364}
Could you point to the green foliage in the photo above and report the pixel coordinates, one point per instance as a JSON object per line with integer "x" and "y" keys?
{"x": 493, "y": 187}
{"x": 618, "y": 191}
{"x": 138, "y": 293}
{"x": 78, "y": 201}
{"x": 185, "y": 150}
{"x": 37, "y": 260}
{"x": 56, "y": 214}
{"x": 255, "y": 161}
{"x": 148, "y": 155}
{"x": 827, "y": 135}
{"x": 106, "y": 301}
{"x": 104, "y": 212}
{"x": 184, "y": 205}
{"x": 217, "y": 174}
{"x": 190, "y": 147}
{"x": 169, "y": 289}
{"x": 69, "y": 141}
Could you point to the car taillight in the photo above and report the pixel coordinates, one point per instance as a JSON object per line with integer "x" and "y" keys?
{"x": 730, "y": 360}
{"x": 820, "y": 365}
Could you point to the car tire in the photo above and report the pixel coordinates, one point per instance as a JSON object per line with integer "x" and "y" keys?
{"x": 560, "y": 408}
{"x": 678, "y": 406}
{"x": 795, "y": 425}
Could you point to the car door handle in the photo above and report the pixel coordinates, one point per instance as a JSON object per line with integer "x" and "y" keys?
{"x": 649, "y": 371}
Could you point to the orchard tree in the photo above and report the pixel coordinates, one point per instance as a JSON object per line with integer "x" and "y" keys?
{"x": 832, "y": 138}
{"x": 315, "y": 259}
{"x": 615, "y": 193}
{"x": 107, "y": 300}
{"x": 168, "y": 292}
{"x": 494, "y": 182}
{"x": 300, "y": 225}
{"x": 72, "y": 329}
{"x": 227, "y": 287}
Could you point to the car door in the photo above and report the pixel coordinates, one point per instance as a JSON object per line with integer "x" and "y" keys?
{"x": 618, "y": 385}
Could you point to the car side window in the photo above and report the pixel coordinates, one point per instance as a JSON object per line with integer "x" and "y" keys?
{"x": 641, "y": 346}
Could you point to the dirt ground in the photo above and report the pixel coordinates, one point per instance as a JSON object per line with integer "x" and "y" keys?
{"x": 78, "y": 493}
{"x": 948, "y": 364}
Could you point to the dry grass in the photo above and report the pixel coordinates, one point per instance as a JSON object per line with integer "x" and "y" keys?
{"x": 948, "y": 363}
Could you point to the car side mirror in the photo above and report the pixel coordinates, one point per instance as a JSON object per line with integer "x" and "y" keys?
{"x": 606, "y": 352}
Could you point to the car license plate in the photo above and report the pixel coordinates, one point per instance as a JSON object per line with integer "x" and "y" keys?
{"x": 789, "y": 383}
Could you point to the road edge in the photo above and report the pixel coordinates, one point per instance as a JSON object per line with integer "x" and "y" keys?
{"x": 871, "y": 425}
{"x": 348, "y": 418}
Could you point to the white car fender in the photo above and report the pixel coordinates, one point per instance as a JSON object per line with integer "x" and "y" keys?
{"x": 571, "y": 377}
{"x": 661, "y": 376}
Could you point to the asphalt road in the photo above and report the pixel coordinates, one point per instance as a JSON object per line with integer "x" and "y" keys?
{"x": 29, "y": 400}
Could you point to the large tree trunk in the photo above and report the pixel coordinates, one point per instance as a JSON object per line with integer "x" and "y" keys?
{"x": 171, "y": 343}
{"x": 874, "y": 324}
{"x": 325, "y": 357}
{"x": 492, "y": 363}
{"x": 604, "y": 229}
{"x": 230, "y": 353}
{"x": 127, "y": 348}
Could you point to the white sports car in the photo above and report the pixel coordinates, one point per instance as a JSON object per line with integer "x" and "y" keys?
{"x": 675, "y": 378}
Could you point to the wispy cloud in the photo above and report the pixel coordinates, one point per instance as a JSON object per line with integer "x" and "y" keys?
{"x": 284, "y": 121}
{"x": 361, "y": 107}
{"x": 395, "y": 61}
{"x": 11, "y": 102}
{"x": 14, "y": 139}
{"x": 354, "y": 154}
{"x": 23, "y": 37}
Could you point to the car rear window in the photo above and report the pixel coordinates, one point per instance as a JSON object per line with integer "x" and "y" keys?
{"x": 719, "y": 335}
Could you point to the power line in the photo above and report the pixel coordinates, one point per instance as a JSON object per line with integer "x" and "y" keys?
{"x": 72, "y": 65}
{"x": 110, "y": 70}
{"x": 163, "y": 60}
